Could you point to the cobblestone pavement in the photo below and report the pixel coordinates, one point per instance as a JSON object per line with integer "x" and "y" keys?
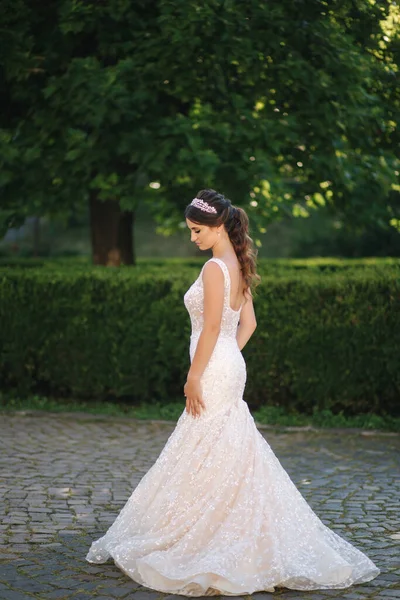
{"x": 64, "y": 478}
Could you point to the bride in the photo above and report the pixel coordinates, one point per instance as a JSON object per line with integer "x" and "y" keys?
{"x": 217, "y": 514}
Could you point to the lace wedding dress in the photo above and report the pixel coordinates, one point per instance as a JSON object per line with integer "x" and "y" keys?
{"x": 217, "y": 513}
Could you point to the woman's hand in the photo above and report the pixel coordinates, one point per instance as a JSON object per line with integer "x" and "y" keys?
{"x": 194, "y": 400}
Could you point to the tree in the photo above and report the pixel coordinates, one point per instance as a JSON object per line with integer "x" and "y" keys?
{"x": 273, "y": 103}
{"x": 385, "y": 84}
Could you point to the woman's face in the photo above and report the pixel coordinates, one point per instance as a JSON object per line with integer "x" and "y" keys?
{"x": 203, "y": 236}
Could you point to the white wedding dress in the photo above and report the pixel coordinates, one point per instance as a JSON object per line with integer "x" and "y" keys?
{"x": 217, "y": 513}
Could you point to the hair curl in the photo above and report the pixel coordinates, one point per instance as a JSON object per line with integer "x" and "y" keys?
{"x": 236, "y": 223}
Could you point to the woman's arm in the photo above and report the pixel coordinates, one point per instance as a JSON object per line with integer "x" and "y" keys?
{"x": 247, "y": 323}
{"x": 213, "y": 285}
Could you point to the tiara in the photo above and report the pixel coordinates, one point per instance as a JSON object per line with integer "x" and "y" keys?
{"x": 199, "y": 203}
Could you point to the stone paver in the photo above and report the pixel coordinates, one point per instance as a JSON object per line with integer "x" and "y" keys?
{"x": 64, "y": 478}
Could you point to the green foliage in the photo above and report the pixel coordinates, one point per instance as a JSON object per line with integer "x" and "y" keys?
{"x": 265, "y": 266}
{"x": 328, "y": 342}
{"x": 285, "y": 108}
{"x": 89, "y": 323}
{"x": 327, "y": 336}
{"x": 279, "y": 416}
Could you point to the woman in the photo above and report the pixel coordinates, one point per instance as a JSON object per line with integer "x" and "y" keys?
{"x": 217, "y": 513}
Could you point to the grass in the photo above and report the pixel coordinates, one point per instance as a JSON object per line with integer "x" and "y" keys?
{"x": 267, "y": 415}
{"x": 275, "y": 415}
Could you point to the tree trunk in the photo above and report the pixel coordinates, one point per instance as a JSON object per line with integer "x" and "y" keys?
{"x": 111, "y": 233}
{"x": 125, "y": 238}
{"x": 36, "y": 236}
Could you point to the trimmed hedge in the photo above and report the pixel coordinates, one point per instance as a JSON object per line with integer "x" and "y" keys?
{"x": 265, "y": 265}
{"x": 329, "y": 342}
{"x": 326, "y": 340}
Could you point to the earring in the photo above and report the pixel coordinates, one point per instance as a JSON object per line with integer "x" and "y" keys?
{"x": 219, "y": 233}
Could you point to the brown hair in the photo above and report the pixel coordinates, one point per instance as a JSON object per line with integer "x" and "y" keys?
{"x": 236, "y": 223}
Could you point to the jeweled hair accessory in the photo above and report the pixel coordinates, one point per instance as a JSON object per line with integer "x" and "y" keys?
{"x": 204, "y": 206}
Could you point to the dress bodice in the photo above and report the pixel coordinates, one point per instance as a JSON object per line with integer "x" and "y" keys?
{"x": 194, "y": 302}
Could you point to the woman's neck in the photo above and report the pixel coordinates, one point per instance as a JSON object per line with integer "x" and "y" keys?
{"x": 223, "y": 249}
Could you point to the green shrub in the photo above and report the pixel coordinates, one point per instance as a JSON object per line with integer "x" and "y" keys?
{"x": 265, "y": 265}
{"x": 328, "y": 342}
{"x": 325, "y": 340}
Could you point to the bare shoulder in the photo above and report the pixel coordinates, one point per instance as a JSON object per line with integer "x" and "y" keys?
{"x": 212, "y": 272}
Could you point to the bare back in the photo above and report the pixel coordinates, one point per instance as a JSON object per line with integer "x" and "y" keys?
{"x": 237, "y": 297}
